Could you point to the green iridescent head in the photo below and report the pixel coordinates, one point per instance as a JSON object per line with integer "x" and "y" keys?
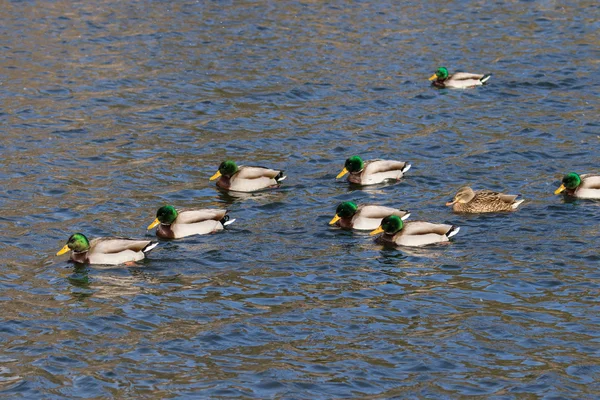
{"x": 78, "y": 243}
{"x": 354, "y": 164}
{"x": 571, "y": 180}
{"x": 166, "y": 214}
{"x": 441, "y": 73}
{"x": 346, "y": 209}
{"x": 392, "y": 224}
{"x": 228, "y": 168}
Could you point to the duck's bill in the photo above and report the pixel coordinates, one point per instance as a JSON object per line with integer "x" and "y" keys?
{"x": 376, "y": 231}
{"x": 434, "y": 76}
{"x": 344, "y": 172}
{"x": 217, "y": 175}
{"x": 153, "y": 224}
{"x": 450, "y": 203}
{"x": 560, "y": 189}
{"x": 334, "y": 219}
{"x": 63, "y": 250}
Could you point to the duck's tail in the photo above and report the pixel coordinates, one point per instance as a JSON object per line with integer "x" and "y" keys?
{"x": 406, "y": 168}
{"x": 405, "y": 216}
{"x": 149, "y": 247}
{"x": 485, "y": 78}
{"x": 453, "y": 231}
{"x": 226, "y": 221}
{"x": 280, "y": 177}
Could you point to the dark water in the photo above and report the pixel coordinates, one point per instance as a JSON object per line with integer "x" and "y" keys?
{"x": 110, "y": 109}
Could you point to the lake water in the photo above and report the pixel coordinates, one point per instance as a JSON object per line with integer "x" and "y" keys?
{"x": 110, "y": 109}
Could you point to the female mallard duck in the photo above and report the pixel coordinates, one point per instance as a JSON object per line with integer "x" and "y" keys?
{"x": 586, "y": 186}
{"x": 364, "y": 217}
{"x": 175, "y": 224}
{"x": 469, "y": 201}
{"x": 106, "y": 250}
{"x": 460, "y": 80}
{"x": 416, "y": 233}
{"x": 374, "y": 171}
{"x": 246, "y": 179}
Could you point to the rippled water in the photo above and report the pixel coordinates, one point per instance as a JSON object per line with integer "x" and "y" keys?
{"x": 111, "y": 109}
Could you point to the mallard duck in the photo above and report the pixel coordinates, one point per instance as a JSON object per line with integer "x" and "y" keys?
{"x": 460, "y": 80}
{"x": 175, "y": 224}
{"x": 586, "y": 186}
{"x": 373, "y": 171}
{"x": 364, "y": 217}
{"x": 246, "y": 179}
{"x": 106, "y": 250}
{"x": 414, "y": 233}
{"x": 467, "y": 200}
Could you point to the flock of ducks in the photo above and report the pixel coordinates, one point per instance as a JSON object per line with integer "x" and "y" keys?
{"x": 171, "y": 223}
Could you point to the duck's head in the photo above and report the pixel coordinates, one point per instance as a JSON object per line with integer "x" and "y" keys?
{"x": 345, "y": 210}
{"x": 227, "y": 168}
{"x": 441, "y": 73}
{"x": 352, "y": 164}
{"x": 390, "y": 225}
{"x": 77, "y": 242}
{"x": 570, "y": 181}
{"x": 464, "y": 195}
{"x": 165, "y": 215}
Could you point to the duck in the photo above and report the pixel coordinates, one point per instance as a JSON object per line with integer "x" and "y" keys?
{"x": 364, "y": 217}
{"x": 414, "y": 233}
{"x": 176, "y": 224}
{"x": 372, "y": 172}
{"x": 246, "y": 178}
{"x": 106, "y": 250}
{"x": 585, "y": 186}
{"x": 468, "y": 200}
{"x": 460, "y": 80}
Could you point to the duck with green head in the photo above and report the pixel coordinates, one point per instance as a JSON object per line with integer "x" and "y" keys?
{"x": 586, "y": 186}
{"x": 460, "y": 80}
{"x": 246, "y": 178}
{"x": 364, "y": 217}
{"x": 106, "y": 250}
{"x": 468, "y": 200}
{"x": 372, "y": 172}
{"x": 414, "y": 233}
{"x": 175, "y": 224}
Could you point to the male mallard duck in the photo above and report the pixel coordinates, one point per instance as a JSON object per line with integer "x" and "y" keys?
{"x": 415, "y": 233}
{"x": 106, "y": 250}
{"x": 469, "y": 201}
{"x": 460, "y": 80}
{"x": 585, "y": 186}
{"x": 364, "y": 217}
{"x": 373, "y": 171}
{"x": 246, "y": 179}
{"x": 175, "y": 224}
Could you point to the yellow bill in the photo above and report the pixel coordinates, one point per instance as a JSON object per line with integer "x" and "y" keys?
{"x": 376, "y": 231}
{"x": 433, "y": 77}
{"x": 344, "y": 172}
{"x": 450, "y": 203}
{"x": 215, "y": 176}
{"x": 63, "y": 250}
{"x": 334, "y": 219}
{"x": 153, "y": 224}
{"x": 560, "y": 189}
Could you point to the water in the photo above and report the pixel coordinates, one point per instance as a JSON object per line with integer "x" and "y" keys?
{"x": 111, "y": 109}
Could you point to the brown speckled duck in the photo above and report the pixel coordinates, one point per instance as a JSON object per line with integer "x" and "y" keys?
{"x": 467, "y": 200}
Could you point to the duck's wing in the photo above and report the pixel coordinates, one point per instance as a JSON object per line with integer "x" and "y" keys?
{"x": 110, "y": 245}
{"x": 198, "y": 215}
{"x": 590, "y": 181}
{"x": 379, "y": 212}
{"x": 415, "y": 228}
{"x": 248, "y": 172}
{"x": 377, "y": 166}
{"x": 461, "y": 76}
